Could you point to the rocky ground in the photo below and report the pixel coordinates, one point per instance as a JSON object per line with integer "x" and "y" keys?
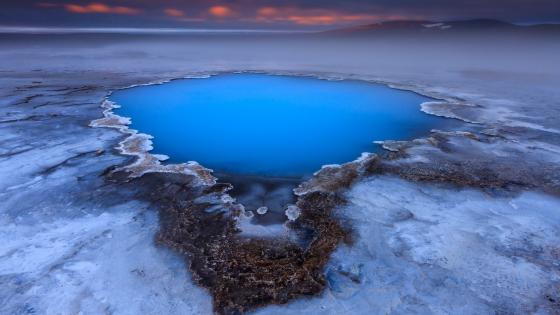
{"x": 463, "y": 221}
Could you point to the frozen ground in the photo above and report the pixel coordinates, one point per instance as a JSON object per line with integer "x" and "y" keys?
{"x": 460, "y": 222}
{"x": 427, "y": 249}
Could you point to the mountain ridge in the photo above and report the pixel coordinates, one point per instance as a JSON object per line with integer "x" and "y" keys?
{"x": 427, "y": 26}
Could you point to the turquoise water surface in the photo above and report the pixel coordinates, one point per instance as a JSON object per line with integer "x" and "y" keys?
{"x": 257, "y": 124}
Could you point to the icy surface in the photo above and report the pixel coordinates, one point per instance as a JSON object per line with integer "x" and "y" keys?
{"x": 94, "y": 264}
{"x": 262, "y": 210}
{"x": 427, "y": 249}
{"x": 71, "y": 242}
{"x": 292, "y": 212}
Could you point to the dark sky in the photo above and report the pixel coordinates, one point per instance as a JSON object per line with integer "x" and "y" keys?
{"x": 264, "y": 14}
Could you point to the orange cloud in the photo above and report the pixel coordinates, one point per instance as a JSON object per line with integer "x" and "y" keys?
{"x": 268, "y": 11}
{"x": 174, "y": 12}
{"x": 97, "y": 7}
{"x": 221, "y": 11}
{"x": 315, "y": 16}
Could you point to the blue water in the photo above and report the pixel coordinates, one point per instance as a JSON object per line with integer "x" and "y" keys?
{"x": 256, "y": 124}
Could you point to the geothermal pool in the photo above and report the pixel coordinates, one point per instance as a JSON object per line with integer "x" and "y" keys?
{"x": 268, "y": 125}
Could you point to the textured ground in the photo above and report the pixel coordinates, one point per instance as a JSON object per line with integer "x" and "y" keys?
{"x": 458, "y": 222}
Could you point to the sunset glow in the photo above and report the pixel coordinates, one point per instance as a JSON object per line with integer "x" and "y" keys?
{"x": 315, "y": 16}
{"x": 301, "y": 14}
{"x": 174, "y": 12}
{"x": 100, "y": 8}
{"x": 221, "y": 11}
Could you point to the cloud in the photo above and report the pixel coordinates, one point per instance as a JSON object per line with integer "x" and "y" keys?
{"x": 279, "y": 12}
{"x": 102, "y": 8}
{"x": 316, "y": 16}
{"x": 174, "y": 12}
{"x": 221, "y": 11}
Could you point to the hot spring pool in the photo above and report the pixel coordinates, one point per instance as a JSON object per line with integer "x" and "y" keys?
{"x": 278, "y": 126}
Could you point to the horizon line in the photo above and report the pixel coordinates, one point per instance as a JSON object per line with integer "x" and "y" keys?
{"x": 137, "y": 30}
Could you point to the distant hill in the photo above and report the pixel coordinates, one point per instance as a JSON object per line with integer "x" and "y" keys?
{"x": 431, "y": 27}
